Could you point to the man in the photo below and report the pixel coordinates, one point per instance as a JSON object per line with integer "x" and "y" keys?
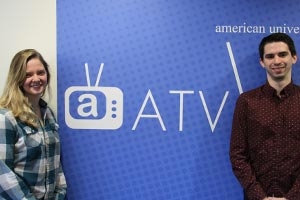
{"x": 265, "y": 138}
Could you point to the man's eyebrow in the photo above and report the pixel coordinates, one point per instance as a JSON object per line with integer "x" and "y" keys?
{"x": 281, "y": 52}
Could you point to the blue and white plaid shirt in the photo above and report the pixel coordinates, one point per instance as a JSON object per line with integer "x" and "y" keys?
{"x": 30, "y": 166}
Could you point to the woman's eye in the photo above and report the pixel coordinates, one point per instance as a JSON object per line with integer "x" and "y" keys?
{"x": 41, "y": 73}
{"x": 28, "y": 75}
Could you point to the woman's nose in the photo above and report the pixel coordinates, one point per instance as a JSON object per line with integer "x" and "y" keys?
{"x": 36, "y": 78}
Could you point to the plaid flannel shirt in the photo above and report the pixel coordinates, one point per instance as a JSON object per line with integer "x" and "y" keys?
{"x": 30, "y": 166}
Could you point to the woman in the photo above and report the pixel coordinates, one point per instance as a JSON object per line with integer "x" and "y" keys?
{"x": 30, "y": 166}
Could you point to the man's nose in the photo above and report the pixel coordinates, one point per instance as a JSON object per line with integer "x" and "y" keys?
{"x": 277, "y": 59}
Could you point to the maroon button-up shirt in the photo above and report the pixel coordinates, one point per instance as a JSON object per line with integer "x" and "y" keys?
{"x": 265, "y": 142}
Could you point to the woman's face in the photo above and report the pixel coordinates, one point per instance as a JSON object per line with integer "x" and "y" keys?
{"x": 36, "y": 79}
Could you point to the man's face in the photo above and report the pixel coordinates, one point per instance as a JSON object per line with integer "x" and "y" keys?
{"x": 278, "y": 61}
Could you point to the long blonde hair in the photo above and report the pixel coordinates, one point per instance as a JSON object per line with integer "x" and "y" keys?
{"x": 13, "y": 97}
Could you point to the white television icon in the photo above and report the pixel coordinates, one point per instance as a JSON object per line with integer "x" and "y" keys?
{"x": 113, "y": 116}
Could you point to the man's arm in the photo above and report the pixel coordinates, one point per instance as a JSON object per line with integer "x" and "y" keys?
{"x": 239, "y": 153}
{"x": 294, "y": 193}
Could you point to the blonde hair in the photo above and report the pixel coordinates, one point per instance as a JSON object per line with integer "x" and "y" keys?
{"x": 13, "y": 97}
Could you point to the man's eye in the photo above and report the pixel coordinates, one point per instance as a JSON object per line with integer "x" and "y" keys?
{"x": 269, "y": 56}
{"x": 282, "y": 54}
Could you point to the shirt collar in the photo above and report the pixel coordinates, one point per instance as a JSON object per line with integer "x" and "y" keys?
{"x": 286, "y": 91}
{"x": 43, "y": 103}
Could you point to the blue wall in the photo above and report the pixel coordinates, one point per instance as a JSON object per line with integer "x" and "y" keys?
{"x": 155, "y": 121}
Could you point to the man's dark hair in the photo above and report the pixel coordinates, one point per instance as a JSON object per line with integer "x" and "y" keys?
{"x": 277, "y": 37}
